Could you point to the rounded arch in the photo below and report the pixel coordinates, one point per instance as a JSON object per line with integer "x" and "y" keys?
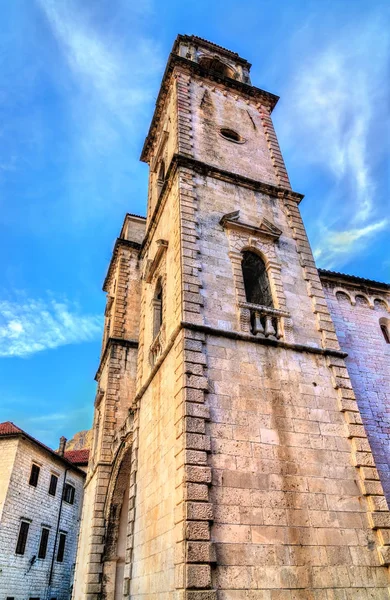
{"x": 161, "y": 171}
{"x": 340, "y": 294}
{"x": 363, "y": 299}
{"x": 380, "y": 303}
{"x": 116, "y": 513}
{"x": 158, "y": 306}
{"x": 218, "y": 66}
{"x": 258, "y": 251}
{"x": 256, "y": 282}
{"x": 384, "y": 325}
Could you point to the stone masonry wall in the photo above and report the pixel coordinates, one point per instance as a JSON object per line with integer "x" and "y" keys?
{"x": 288, "y": 511}
{"x": 8, "y": 452}
{"x": 18, "y": 576}
{"x": 357, "y": 320}
{"x": 152, "y": 573}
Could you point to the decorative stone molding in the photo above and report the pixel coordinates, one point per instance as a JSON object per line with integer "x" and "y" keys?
{"x": 362, "y": 458}
{"x": 152, "y": 265}
{"x": 159, "y": 151}
{"x": 157, "y": 347}
{"x": 194, "y": 553}
{"x": 310, "y": 274}
{"x": 231, "y": 221}
{"x": 265, "y": 321}
{"x": 353, "y": 295}
{"x": 274, "y": 148}
{"x": 261, "y": 240}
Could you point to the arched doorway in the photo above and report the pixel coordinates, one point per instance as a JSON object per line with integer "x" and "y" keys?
{"x": 116, "y": 529}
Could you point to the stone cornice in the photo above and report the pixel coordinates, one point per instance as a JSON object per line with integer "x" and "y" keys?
{"x": 235, "y": 335}
{"x": 230, "y": 177}
{"x": 119, "y": 243}
{"x": 265, "y": 229}
{"x": 111, "y": 343}
{"x": 179, "y": 160}
{"x": 353, "y": 280}
{"x": 196, "y": 40}
{"x": 246, "y": 90}
{"x": 245, "y": 337}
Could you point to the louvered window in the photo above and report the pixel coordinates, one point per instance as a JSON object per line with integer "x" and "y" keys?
{"x": 43, "y": 543}
{"x": 22, "y": 537}
{"x": 34, "y": 475}
{"x": 61, "y": 547}
{"x": 53, "y": 485}
{"x": 69, "y": 493}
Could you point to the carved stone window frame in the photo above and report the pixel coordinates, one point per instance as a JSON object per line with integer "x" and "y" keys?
{"x": 260, "y": 240}
{"x": 155, "y": 273}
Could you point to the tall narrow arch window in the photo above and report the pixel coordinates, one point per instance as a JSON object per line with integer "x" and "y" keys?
{"x": 157, "y": 308}
{"x": 160, "y": 177}
{"x": 256, "y": 283}
{"x": 384, "y": 325}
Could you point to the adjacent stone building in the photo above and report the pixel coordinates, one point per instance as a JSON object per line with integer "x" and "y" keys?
{"x": 237, "y": 449}
{"x": 41, "y": 493}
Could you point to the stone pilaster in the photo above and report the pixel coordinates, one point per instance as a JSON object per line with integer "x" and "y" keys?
{"x": 194, "y": 511}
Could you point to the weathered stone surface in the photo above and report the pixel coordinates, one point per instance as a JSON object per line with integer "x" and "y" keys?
{"x": 249, "y": 456}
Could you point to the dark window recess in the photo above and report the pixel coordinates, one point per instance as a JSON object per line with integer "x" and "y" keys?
{"x": 43, "y": 543}
{"x": 157, "y": 308}
{"x": 10, "y": 598}
{"x": 22, "y": 538}
{"x": 53, "y": 485}
{"x": 160, "y": 177}
{"x": 69, "y": 493}
{"x": 257, "y": 288}
{"x": 386, "y": 335}
{"x": 61, "y": 547}
{"x": 34, "y": 475}
{"x": 34, "y": 598}
{"x": 231, "y": 135}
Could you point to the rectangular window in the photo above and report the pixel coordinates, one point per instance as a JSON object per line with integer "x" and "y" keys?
{"x": 61, "y": 547}
{"x": 22, "y": 537}
{"x": 69, "y": 493}
{"x": 53, "y": 485}
{"x": 43, "y": 543}
{"x": 34, "y": 475}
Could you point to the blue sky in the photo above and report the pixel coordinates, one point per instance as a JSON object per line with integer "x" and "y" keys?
{"x": 79, "y": 83}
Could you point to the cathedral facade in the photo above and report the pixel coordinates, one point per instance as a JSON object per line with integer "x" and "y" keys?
{"x": 241, "y": 428}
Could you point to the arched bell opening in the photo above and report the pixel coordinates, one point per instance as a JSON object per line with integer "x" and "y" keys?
{"x": 256, "y": 283}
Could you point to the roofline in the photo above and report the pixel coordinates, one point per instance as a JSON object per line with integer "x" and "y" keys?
{"x": 23, "y": 434}
{"x": 211, "y": 46}
{"x": 326, "y": 274}
{"x": 118, "y": 243}
{"x": 247, "y": 89}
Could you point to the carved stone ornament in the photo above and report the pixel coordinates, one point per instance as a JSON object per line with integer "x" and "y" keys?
{"x": 259, "y": 320}
{"x": 152, "y": 265}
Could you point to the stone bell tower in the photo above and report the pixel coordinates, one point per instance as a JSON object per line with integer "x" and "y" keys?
{"x": 240, "y": 464}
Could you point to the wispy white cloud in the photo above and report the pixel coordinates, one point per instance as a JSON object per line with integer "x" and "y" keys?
{"x": 29, "y": 326}
{"x": 341, "y": 245}
{"x": 113, "y": 73}
{"x": 332, "y": 99}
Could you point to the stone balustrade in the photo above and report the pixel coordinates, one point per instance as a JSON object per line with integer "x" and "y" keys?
{"x": 262, "y": 321}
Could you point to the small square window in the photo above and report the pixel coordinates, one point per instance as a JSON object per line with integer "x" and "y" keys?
{"x": 53, "y": 485}
{"x": 34, "y": 475}
{"x": 69, "y": 493}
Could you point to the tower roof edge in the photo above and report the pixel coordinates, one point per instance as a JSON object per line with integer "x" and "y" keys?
{"x": 195, "y": 39}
